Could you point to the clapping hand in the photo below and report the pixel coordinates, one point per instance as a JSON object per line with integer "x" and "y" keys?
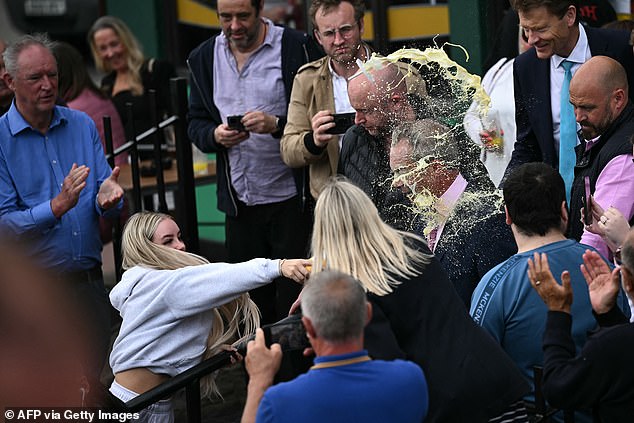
{"x": 603, "y": 283}
{"x": 110, "y": 192}
{"x": 72, "y": 187}
{"x": 556, "y": 297}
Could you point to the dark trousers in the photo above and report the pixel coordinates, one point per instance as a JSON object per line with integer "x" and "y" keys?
{"x": 92, "y": 302}
{"x": 275, "y": 231}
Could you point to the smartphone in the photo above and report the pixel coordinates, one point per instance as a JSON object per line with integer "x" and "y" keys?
{"x": 587, "y": 207}
{"x": 343, "y": 121}
{"x": 288, "y": 332}
{"x": 235, "y": 122}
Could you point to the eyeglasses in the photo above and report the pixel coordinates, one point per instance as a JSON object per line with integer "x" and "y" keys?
{"x": 344, "y": 30}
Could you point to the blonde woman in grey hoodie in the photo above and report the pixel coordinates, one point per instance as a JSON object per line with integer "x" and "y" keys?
{"x": 177, "y": 308}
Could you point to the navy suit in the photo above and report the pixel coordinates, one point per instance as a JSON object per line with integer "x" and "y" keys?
{"x": 475, "y": 239}
{"x": 533, "y": 113}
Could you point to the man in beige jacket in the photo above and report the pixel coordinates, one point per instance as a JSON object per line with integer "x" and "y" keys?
{"x": 320, "y": 90}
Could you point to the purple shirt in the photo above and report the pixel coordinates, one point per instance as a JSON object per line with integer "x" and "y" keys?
{"x": 258, "y": 173}
{"x": 614, "y": 187}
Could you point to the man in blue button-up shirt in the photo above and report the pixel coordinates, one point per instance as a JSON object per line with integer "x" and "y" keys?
{"x": 55, "y": 181}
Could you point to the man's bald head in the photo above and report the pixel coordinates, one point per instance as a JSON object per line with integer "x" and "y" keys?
{"x": 378, "y": 93}
{"x": 603, "y": 72}
{"x": 383, "y": 80}
{"x": 598, "y": 93}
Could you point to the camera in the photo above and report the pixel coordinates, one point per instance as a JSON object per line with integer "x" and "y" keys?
{"x": 235, "y": 122}
{"x": 343, "y": 121}
{"x": 288, "y": 332}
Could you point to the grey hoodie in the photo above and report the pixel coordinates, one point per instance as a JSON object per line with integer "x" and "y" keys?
{"x": 167, "y": 313}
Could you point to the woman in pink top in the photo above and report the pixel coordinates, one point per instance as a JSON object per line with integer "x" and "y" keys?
{"x": 80, "y": 93}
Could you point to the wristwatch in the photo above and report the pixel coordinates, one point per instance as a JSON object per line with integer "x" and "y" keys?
{"x": 277, "y": 124}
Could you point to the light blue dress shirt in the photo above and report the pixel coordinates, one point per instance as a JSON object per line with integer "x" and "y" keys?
{"x": 32, "y": 169}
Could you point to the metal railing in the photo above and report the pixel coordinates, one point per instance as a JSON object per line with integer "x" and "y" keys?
{"x": 185, "y": 194}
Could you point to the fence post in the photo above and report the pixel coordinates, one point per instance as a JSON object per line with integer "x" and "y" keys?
{"x": 134, "y": 162}
{"x": 116, "y": 227}
{"x": 157, "y": 141}
{"x": 186, "y": 214}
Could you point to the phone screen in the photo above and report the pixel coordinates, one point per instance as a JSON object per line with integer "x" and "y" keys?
{"x": 235, "y": 122}
{"x": 587, "y": 207}
{"x": 342, "y": 121}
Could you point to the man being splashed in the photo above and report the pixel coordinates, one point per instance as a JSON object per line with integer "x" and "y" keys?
{"x": 463, "y": 223}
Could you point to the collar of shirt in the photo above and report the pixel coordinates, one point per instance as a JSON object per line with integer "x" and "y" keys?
{"x": 578, "y": 56}
{"x": 592, "y": 142}
{"x": 340, "y": 91}
{"x": 17, "y": 123}
{"x": 447, "y": 202}
{"x": 330, "y": 358}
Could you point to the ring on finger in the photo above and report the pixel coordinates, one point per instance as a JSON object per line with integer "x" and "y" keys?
{"x": 537, "y": 283}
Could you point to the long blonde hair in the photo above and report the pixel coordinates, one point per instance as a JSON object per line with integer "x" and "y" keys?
{"x": 349, "y": 236}
{"x": 139, "y": 250}
{"x": 135, "y": 57}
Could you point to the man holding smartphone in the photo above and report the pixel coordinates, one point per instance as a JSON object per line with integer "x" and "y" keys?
{"x": 246, "y": 73}
{"x": 599, "y": 96}
{"x": 320, "y": 90}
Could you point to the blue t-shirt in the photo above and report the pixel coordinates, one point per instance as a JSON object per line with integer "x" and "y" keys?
{"x": 368, "y": 391}
{"x": 507, "y": 306}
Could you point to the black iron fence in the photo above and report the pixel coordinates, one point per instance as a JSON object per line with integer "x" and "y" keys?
{"x": 185, "y": 194}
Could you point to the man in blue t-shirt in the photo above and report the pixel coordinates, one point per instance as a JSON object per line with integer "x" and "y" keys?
{"x": 345, "y": 384}
{"x": 504, "y": 302}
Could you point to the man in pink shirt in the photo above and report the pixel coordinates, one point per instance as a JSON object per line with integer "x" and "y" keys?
{"x": 599, "y": 95}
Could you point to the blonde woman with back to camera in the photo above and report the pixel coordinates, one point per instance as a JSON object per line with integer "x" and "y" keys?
{"x": 177, "y": 308}
{"x": 416, "y": 313}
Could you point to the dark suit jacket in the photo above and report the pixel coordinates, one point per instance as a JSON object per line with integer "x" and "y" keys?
{"x": 474, "y": 240}
{"x": 470, "y": 378}
{"x": 533, "y": 114}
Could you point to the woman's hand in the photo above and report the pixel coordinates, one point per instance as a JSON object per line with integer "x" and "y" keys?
{"x": 610, "y": 224}
{"x": 614, "y": 226}
{"x": 296, "y": 269}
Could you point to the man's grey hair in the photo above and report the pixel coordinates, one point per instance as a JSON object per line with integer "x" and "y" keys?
{"x": 335, "y": 303}
{"x": 13, "y": 51}
{"x": 431, "y": 139}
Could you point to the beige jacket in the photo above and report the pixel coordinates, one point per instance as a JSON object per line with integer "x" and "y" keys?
{"x": 312, "y": 92}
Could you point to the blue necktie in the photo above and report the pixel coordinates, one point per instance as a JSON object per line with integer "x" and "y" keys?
{"x": 567, "y": 133}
